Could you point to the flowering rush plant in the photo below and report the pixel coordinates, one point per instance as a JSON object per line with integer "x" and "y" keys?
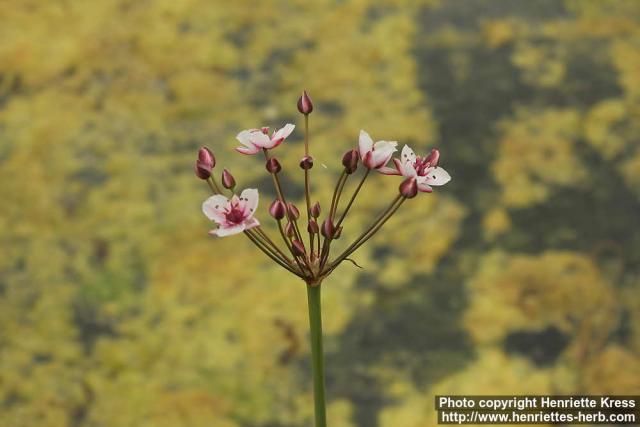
{"x": 305, "y": 248}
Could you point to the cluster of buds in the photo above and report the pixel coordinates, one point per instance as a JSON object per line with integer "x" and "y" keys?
{"x": 306, "y": 251}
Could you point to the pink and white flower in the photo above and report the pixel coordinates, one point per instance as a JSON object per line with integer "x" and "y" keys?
{"x": 232, "y": 216}
{"x": 424, "y": 169}
{"x": 254, "y": 140}
{"x": 375, "y": 156}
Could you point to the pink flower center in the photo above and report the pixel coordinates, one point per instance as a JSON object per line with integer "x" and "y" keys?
{"x": 421, "y": 164}
{"x": 235, "y": 215}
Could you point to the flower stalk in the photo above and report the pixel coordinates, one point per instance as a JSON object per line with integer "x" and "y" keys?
{"x": 317, "y": 353}
{"x": 307, "y": 190}
{"x": 237, "y": 213}
{"x": 366, "y": 235}
{"x": 353, "y": 198}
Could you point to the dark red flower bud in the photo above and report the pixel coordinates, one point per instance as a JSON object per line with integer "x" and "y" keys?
{"x": 205, "y": 163}
{"x": 409, "y": 188}
{"x": 227, "y": 180}
{"x": 273, "y": 165}
{"x": 202, "y": 170}
{"x": 328, "y": 229}
{"x": 315, "y": 210}
{"x": 294, "y": 213}
{"x": 313, "y": 227}
{"x": 206, "y": 156}
{"x": 306, "y": 162}
{"x": 350, "y": 161}
{"x": 277, "y": 209}
{"x": 289, "y": 230}
{"x": 305, "y": 106}
{"x": 265, "y": 130}
{"x": 433, "y": 158}
{"x": 337, "y": 233}
{"x": 297, "y": 248}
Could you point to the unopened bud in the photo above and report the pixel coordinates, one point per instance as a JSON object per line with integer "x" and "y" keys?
{"x": 277, "y": 209}
{"x": 202, "y": 171}
{"x": 328, "y": 229}
{"x": 305, "y": 106}
{"x": 350, "y": 161}
{"x": 337, "y": 233}
{"x": 289, "y": 230}
{"x": 273, "y": 165}
{"x": 297, "y": 248}
{"x": 313, "y": 227}
{"x": 205, "y": 163}
{"x": 433, "y": 158}
{"x": 206, "y": 156}
{"x": 227, "y": 180}
{"x": 409, "y": 188}
{"x": 306, "y": 162}
{"x": 315, "y": 210}
{"x": 294, "y": 213}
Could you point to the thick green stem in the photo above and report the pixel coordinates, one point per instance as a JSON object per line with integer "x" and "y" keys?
{"x": 317, "y": 356}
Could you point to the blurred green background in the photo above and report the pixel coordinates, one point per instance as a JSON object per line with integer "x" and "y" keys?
{"x": 520, "y": 276}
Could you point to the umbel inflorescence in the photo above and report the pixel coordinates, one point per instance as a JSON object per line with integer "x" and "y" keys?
{"x": 305, "y": 248}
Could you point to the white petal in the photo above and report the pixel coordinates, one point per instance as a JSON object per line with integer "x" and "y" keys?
{"x": 283, "y": 132}
{"x": 259, "y": 139}
{"x": 228, "y": 231}
{"x": 389, "y": 171}
{"x": 437, "y": 176}
{"x": 381, "y": 158}
{"x": 385, "y": 148}
{"x": 399, "y": 165}
{"x": 385, "y": 145}
{"x": 245, "y": 137}
{"x": 249, "y": 201}
{"x": 214, "y": 207}
{"x": 365, "y": 143}
{"x": 245, "y": 150}
{"x": 250, "y": 223}
{"x": 408, "y": 155}
{"x": 425, "y": 188}
{"x": 406, "y": 169}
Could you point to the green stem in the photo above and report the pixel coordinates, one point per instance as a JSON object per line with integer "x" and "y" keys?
{"x": 306, "y": 134}
{"x": 214, "y": 185}
{"x": 317, "y": 356}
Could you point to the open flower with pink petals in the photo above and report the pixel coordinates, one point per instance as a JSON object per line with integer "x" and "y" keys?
{"x": 254, "y": 140}
{"x": 424, "y": 169}
{"x": 375, "y": 156}
{"x": 233, "y": 215}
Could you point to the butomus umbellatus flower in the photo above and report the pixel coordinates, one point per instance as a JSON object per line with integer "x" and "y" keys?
{"x": 310, "y": 257}
{"x": 233, "y": 215}
{"x": 255, "y": 140}
{"x": 375, "y": 155}
{"x": 424, "y": 169}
